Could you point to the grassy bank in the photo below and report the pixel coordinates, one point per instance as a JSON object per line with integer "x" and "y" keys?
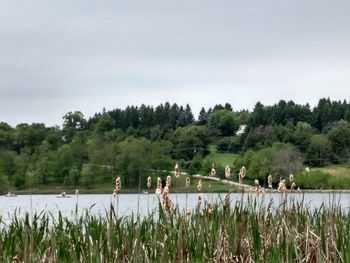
{"x": 340, "y": 170}
{"x": 178, "y": 185}
{"x": 333, "y": 177}
{"x": 212, "y": 233}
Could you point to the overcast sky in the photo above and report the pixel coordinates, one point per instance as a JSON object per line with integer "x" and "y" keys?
{"x": 60, "y": 56}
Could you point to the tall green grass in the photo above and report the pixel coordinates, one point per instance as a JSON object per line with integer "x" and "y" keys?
{"x": 220, "y": 232}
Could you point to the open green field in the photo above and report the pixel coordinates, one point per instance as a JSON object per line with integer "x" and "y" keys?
{"x": 222, "y": 159}
{"x": 336, "y": 177}
{"x": 342, "y": 170}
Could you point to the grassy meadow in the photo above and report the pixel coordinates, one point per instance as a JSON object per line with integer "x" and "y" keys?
{"x": 339, "y": 170}
{"x": 334, "y": 177}
{"x": 220, "y": 158}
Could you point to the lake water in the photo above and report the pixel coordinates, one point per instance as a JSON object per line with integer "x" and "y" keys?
{"x": 99, "y": 204}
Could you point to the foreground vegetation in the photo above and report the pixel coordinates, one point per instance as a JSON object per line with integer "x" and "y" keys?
{"x": 211, "y": 233}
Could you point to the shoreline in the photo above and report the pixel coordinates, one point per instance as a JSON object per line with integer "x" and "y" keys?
{"x": 126, "y": 192}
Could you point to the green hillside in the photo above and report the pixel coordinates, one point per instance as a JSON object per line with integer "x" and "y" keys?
{"x": 219, "y": 158}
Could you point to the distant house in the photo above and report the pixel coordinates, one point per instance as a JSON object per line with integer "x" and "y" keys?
{"x": 241, "y": 129}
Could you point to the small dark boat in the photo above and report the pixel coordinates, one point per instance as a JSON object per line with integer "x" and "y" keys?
{"x": 63, "y": 195}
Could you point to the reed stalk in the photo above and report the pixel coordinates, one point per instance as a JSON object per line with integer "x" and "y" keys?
{"x": 215, "y": 232}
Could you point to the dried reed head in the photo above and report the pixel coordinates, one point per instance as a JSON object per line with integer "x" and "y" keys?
{"x": 227, "y": 171}
{"x": 291, "y": 178}
{"x": 200, "y": 199}
{"x": 282, "y": 186}
{"x": 188, "y": 181}
{"x": 168, "y": 180}
{"x": 166, "y": 190}
{"x": 177, "y": 170}
{"x": 241, "y": 174}
{"x": 189, "y": 212}
{"x": 244, "y": 171}
{"x": 212, "y": 171}
{"x": 159, "y": 186}
{"x": 166, "y": 199}
{"x": 256, "y": 182}
{"x": 149, "y": 182}
{"x": 199, "y": 185}
{"x": 210, "y": 208}
{"x": 118, "y": 184}
{"x": 269, "y": 181}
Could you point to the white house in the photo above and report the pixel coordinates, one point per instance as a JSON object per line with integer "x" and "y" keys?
{"x": 241, "y": 129}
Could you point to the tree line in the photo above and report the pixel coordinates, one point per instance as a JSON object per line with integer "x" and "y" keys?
{"x": 137, "y": 140}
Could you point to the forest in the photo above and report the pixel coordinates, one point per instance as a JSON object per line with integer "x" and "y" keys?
{"x": 84, "y": 152}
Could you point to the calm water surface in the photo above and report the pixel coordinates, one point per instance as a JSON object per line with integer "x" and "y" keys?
{"x": 128, "y": 203}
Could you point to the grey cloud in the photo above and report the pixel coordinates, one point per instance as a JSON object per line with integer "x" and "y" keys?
{"x": 57, "y": 56}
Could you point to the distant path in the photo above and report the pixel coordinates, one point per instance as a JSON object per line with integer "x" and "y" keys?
{"x": 250, "y": 187}
{"x": 224, "y": 181}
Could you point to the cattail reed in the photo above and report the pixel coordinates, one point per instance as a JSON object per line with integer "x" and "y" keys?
{"x": 159, "y": 186}
{"x": 249, "y": 233}
{"x": 227, "y": 171}
{"x": 76, "y": 204}
{"x": 166, "y": 199}
{"x": 269, "y": 181}
{"x": 213, "y": 171}
{"x": 199, "y": 185}
{"x": 227, "y": 200}
{"x": 188, "y": 181}
{"x": 200, "y": 199}
{"x": 189, "y": 212}
{"x": 291, "y": 178}
{"x": 168, "y": 180}
{"x": 241, "y": 174}
{"x": 210, "y": 208}
{"x": 292, "y": 187}
{"x": 177, "y": 170}
{"x": 118, "y": 185}
{"x": 256, "y": 183}
{"x": 149, "y": 182}
{"x": 282, "y": 186}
